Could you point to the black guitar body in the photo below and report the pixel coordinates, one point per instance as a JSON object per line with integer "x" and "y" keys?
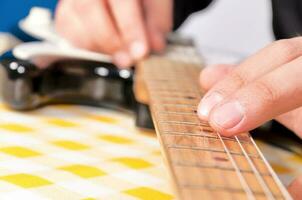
{"x": 25, "y": 86}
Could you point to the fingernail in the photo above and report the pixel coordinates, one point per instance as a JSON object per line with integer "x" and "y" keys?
{"x": 122, "y": 59}
{"x": 228, "y": 115}
{"x": 138, "y": 50}
{"x": 207, "y": 103}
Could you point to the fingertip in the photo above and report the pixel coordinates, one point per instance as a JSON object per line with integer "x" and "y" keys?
{"x": 207, "y": 103}
{"x": 122, "y": 59}
{"x": 138, "y": 49}
{"x": 227, "y": 118}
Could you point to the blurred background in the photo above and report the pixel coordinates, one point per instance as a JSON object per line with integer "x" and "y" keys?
{"x": 227, "y": 31}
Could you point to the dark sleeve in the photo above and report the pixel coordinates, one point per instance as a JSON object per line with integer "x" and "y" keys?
{"x": 183, "y": 8}
{"x": 287, "y": 18}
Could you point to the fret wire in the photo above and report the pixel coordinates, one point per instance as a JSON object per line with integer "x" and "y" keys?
{"x": 214, "y": 187}
{"x": 185, "y": 123}
{"x": 175, "y": 113}
{"x": 274, "y": 175}
{"x": 178, "y": 122}
{"x": 171, "y": 90}
{"x": 225, "y": 189}
{"x": 267, "y": 191}
{"x": 199, "y": 135}
{"x": 208, "y": 149}
{"x": 217, "y": 167}
{"x": 177, "y": 105}
{"x": 180, "y": 97}
{"x": 241, "y": 178}
{"x": 225, "y": 180}
{"x": 168, "y": 91}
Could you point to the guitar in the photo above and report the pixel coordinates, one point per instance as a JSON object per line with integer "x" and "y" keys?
{"x": 202, "y": 163}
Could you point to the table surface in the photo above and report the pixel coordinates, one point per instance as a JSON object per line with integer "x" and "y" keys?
{"x": 79, "y": 152}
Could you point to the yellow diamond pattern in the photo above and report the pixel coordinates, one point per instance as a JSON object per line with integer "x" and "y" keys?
{"x": 116, "y": 139}
{"x": 70, "y": 145}
{"x": 19, "y": 151}
{"x": 145, "y": 193}
{"x": 104, "y": 119}
{"x": 61, "y": 123}
{"x": 84, "y": 171}
{"x": 135, "y": 163}
{"x": 18, "y": 128}
{"x": 26, "y": 180}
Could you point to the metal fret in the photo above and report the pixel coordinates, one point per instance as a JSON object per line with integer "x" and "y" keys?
{"x": 209, "y": 149}
{"x": 226, "y": 189}
{"x": 268, "y": 193}
{"x": 200, "y": 165}
{"x": 234, "y": 162}
{"x": 176, "y": 105}
{"x": 243, "y": 182}
{"x": 202, "y": 135}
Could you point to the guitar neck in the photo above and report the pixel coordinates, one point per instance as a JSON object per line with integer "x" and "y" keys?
{"x": 202, "y": 163}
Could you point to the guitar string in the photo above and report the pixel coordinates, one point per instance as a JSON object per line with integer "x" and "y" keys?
{"x": 196, "y": 91}
{"x": 248, "y": 189}
{"x": 268, "y": 192}
{"x": 205, "y": 175}
{"x": 264, "y": 186}
{"x": 281, "y": 187}
{"x": 242, "y": 180}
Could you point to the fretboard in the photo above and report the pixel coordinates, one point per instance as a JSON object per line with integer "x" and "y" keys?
{"x": 202, "y": 163}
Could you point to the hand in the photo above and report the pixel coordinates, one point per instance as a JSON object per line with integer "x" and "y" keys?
{"x": 128, "y": 29}
{"x": 268, "y": 85}
{"x": 295, "y": 188}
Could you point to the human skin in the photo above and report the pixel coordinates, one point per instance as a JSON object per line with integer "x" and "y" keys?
{"x": 127, "y": 30}
{"x": 267, "y": 85}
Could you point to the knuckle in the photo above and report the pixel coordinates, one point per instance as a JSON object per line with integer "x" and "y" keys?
{"x": 267, "y": 92}
{"x": 287, "y": 47}
{"x": 238, "y": 79}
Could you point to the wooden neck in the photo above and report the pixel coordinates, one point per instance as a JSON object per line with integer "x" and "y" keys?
{"x": 202, "y": 163}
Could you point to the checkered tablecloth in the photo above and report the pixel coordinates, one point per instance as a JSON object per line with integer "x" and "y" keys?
{"x": 74, "y": 152}
{"x": 78, "y": 152}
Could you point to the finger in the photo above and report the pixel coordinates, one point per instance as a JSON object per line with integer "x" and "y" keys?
{"x": 266, "y": 60}
{"x": 159, "y": 20}
{"x": 292, "y": 120}
{"x": 295, "y": 188}
{"x": 106, "y": 38}
{"x": 267, "y": 97}
{"x": 211, "y": 75}
{"x": 128, "y": 17}
{"x": 69, "y": 26}
{"x": 98, "y": 22}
